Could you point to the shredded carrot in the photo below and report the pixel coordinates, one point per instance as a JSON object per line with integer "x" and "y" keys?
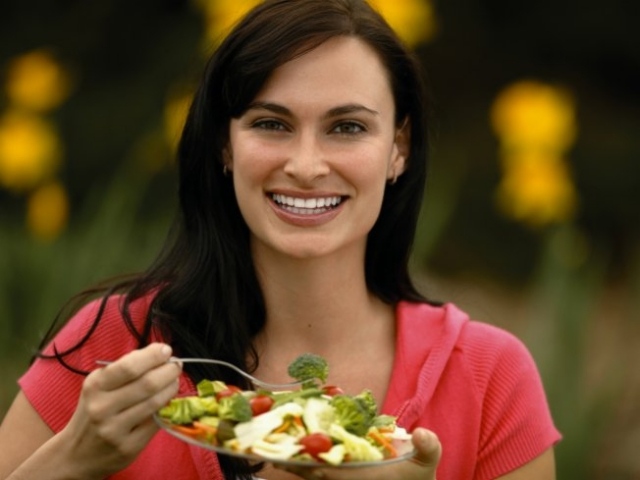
{"x": 384, "y": 442}
{"x": 284, "y": 427}
{"x": 186, "y": 429}
{"x": 198, "y": 430}
{"x": 298, "y": 421}
{"x": 207, "y": 431}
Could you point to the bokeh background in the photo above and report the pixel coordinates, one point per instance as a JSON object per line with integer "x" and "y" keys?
{"x": 531, "y": 220}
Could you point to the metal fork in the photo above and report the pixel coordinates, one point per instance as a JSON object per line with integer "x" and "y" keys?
{"x": 256, "y": 381}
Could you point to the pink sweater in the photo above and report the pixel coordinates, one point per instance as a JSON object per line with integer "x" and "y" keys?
{"x": 475, "y": 385}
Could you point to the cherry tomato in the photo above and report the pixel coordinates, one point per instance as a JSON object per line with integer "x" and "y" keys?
{"x": 316, "y": 443}
{"x": 332, "y": 390}
{"x": 230, "y": 390}
{"x": 260, "y": 404}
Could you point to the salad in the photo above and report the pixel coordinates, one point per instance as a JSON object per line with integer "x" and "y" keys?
{"x": 316, "y": 423}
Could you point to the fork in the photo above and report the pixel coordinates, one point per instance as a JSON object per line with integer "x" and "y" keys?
{"x": 255, "y": 381}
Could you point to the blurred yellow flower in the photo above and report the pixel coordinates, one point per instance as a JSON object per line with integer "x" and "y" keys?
{"x": 30, "y": 150}
{"x": 530, "y": 113}
{"x": 413, "y": 20}
{"x": 36, "y": 81}
{"x": 537, "y": 190}
{"x": 175, "y": 115}
{"x": 221, "y": 15}
{"x": 48, "y": 211}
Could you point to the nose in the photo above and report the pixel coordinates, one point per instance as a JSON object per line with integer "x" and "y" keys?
{"x": 307, "y": 159}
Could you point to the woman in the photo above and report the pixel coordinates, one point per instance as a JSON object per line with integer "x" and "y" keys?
{"x": 302, "y": 166}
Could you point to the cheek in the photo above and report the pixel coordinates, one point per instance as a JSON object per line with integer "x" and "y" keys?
{"x": 254, "y": 160}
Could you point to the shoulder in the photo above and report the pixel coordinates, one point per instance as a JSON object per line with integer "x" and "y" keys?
{"x": 482, "y": 344}
{"x": 439, "y": 337}
{"x": 494, "y": 355}
{"x": 103, "y": 328}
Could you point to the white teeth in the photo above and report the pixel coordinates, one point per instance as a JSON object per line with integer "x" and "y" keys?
{"x": 306, "y": 206}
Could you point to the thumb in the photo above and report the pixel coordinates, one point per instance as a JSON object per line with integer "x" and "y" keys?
{"x": 428, "y": 448}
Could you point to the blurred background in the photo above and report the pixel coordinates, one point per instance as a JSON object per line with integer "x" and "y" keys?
{"x": 531, "y": 220}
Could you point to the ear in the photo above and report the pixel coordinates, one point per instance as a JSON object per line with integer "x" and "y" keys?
{"x": 401, "y": 151}
{"x": 227, "y": 158}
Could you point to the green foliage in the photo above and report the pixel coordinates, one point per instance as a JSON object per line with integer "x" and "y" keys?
{"x": 110, "y": 237}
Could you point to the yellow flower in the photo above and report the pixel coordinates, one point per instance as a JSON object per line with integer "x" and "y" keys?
{"x": 30, "y": 150}
{"x": 175, "y": 114}
{"x": 36, "y": 81}
{"x": 537, "y": 189}
{"x": 530, "y": 113}
{"x": 47, "y": 211}
{"x": 221, "y": 15}
{"x": 413, "y": 20}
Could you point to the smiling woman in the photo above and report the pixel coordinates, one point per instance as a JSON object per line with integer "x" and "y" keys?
{"x": 302, "y": 167}
{"x": 337, "y": 147}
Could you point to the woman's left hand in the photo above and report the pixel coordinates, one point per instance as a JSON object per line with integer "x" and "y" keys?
{"x": 422, "y": 466}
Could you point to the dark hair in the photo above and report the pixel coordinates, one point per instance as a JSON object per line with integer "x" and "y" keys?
{"x": 208, "y": 300}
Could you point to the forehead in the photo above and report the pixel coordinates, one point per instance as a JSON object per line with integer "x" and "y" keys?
{"x": 340, "y": 70}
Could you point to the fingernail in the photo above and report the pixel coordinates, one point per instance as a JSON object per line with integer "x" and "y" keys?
{"x": 166, "y": 351}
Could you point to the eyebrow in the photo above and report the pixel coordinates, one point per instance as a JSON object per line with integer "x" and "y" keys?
{"x": 334, "y": 112}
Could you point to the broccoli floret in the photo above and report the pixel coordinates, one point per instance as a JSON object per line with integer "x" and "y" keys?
{"x": 352, "y": 414}
{"x": 366, "y": 400}
{"x": 235, "y": 407}
{"x": 186, "y": 409}
{"x": 309, "y": 367}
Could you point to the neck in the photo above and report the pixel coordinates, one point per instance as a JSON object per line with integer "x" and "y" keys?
{"x": 317, "y": 304}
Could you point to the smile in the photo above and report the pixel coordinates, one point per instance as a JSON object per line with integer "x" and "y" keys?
{"x": 306, "y": 206}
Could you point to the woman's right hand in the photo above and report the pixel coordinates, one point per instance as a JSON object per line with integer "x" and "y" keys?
{"x": 113, "y": 420}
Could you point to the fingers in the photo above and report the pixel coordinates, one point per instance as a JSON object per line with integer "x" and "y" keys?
{"x": 428, "y": 449}
{"x": 133, "y": 365}
{"x": 137, "y": 384}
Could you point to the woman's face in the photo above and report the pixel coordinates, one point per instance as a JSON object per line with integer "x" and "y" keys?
{"x": 312, "y": 154}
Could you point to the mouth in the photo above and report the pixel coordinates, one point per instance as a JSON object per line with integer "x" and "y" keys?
{"x": 306, "y": 206}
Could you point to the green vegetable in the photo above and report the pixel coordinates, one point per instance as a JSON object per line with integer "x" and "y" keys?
{"x": 286, "y": 397}
{"x": 209, "y": 388}
{"x": 186, "y": 409}
{"x": 367, "y": 402}
{"x": 318, "y": 415}
{"x": 235, "y": 407}
{"x": 357, "y": 448}
{"x": 383, "y": 421}
{"x": 352, "y": 414}
{"x": 309, "y": 367}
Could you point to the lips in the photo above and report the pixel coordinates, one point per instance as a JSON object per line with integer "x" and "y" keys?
{"x": 306, "y": 206}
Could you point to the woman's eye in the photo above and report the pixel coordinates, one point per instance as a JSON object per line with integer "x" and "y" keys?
{"x": 349, "y": 128}
{"x": 268, "y": 125}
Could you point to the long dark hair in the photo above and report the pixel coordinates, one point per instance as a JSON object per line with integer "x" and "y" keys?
{"x": 207, "y": 300}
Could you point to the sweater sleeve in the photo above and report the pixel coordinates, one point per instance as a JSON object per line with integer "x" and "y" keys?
{"x": 516, "y": 424}
{"x": 53, "y": 389}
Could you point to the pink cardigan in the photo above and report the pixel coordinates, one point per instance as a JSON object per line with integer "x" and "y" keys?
{"x": 475, "y": 385}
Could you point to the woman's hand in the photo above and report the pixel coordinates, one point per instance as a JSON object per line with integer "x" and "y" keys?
{"x": 422, "y": 466}
{"x": 113, "y": 421}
